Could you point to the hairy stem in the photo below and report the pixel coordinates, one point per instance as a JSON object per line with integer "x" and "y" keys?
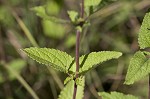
{"x": 78, "y": 32}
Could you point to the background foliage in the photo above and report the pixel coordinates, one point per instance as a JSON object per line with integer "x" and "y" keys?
{"x": 114, "y": 27}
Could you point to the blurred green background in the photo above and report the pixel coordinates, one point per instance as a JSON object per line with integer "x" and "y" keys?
{"x": 114, "y": 27}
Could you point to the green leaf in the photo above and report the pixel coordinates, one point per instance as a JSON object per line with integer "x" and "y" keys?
{"x": 88, "y": 3}
{"x": 52, "y": 5}
{"x": 116, "y": 95}
{"x": 53, "y": 30}
{"x": 40, "y": 11}
{"x": 139, "y": 67}
{"x": 91, "y": 6}
{"x": 90, "y": 61}
{"x": 144, "y": 34}
{"x": 73, "y": 15}
{"x": 56, "y": 59}
{"x": 67, "y": 92}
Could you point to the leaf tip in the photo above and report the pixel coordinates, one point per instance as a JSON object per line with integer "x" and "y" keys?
{"x": 128, "y": 83}
{"x": 120, "y": 54}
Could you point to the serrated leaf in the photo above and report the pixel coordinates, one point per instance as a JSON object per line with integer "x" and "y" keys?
{"x": 73, "y": 15}
{"x": 144, "y": 34}
{"x": 116, "y": 95}
{"x": 139, "y": 67}
{"x": 67, "y": 92}
{"x": 56, "y": 59}
{"x": 90, "y": 61}
{"x": 40, "y": 11}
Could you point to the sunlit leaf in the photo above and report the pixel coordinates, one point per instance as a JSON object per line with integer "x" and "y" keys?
{"x": 73, "y": 15}
{"x": 56, "y": 59}
{"x": 90, "y": 61}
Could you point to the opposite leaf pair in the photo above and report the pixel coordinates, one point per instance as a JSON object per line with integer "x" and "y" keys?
{"x": 63, "y": 62}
